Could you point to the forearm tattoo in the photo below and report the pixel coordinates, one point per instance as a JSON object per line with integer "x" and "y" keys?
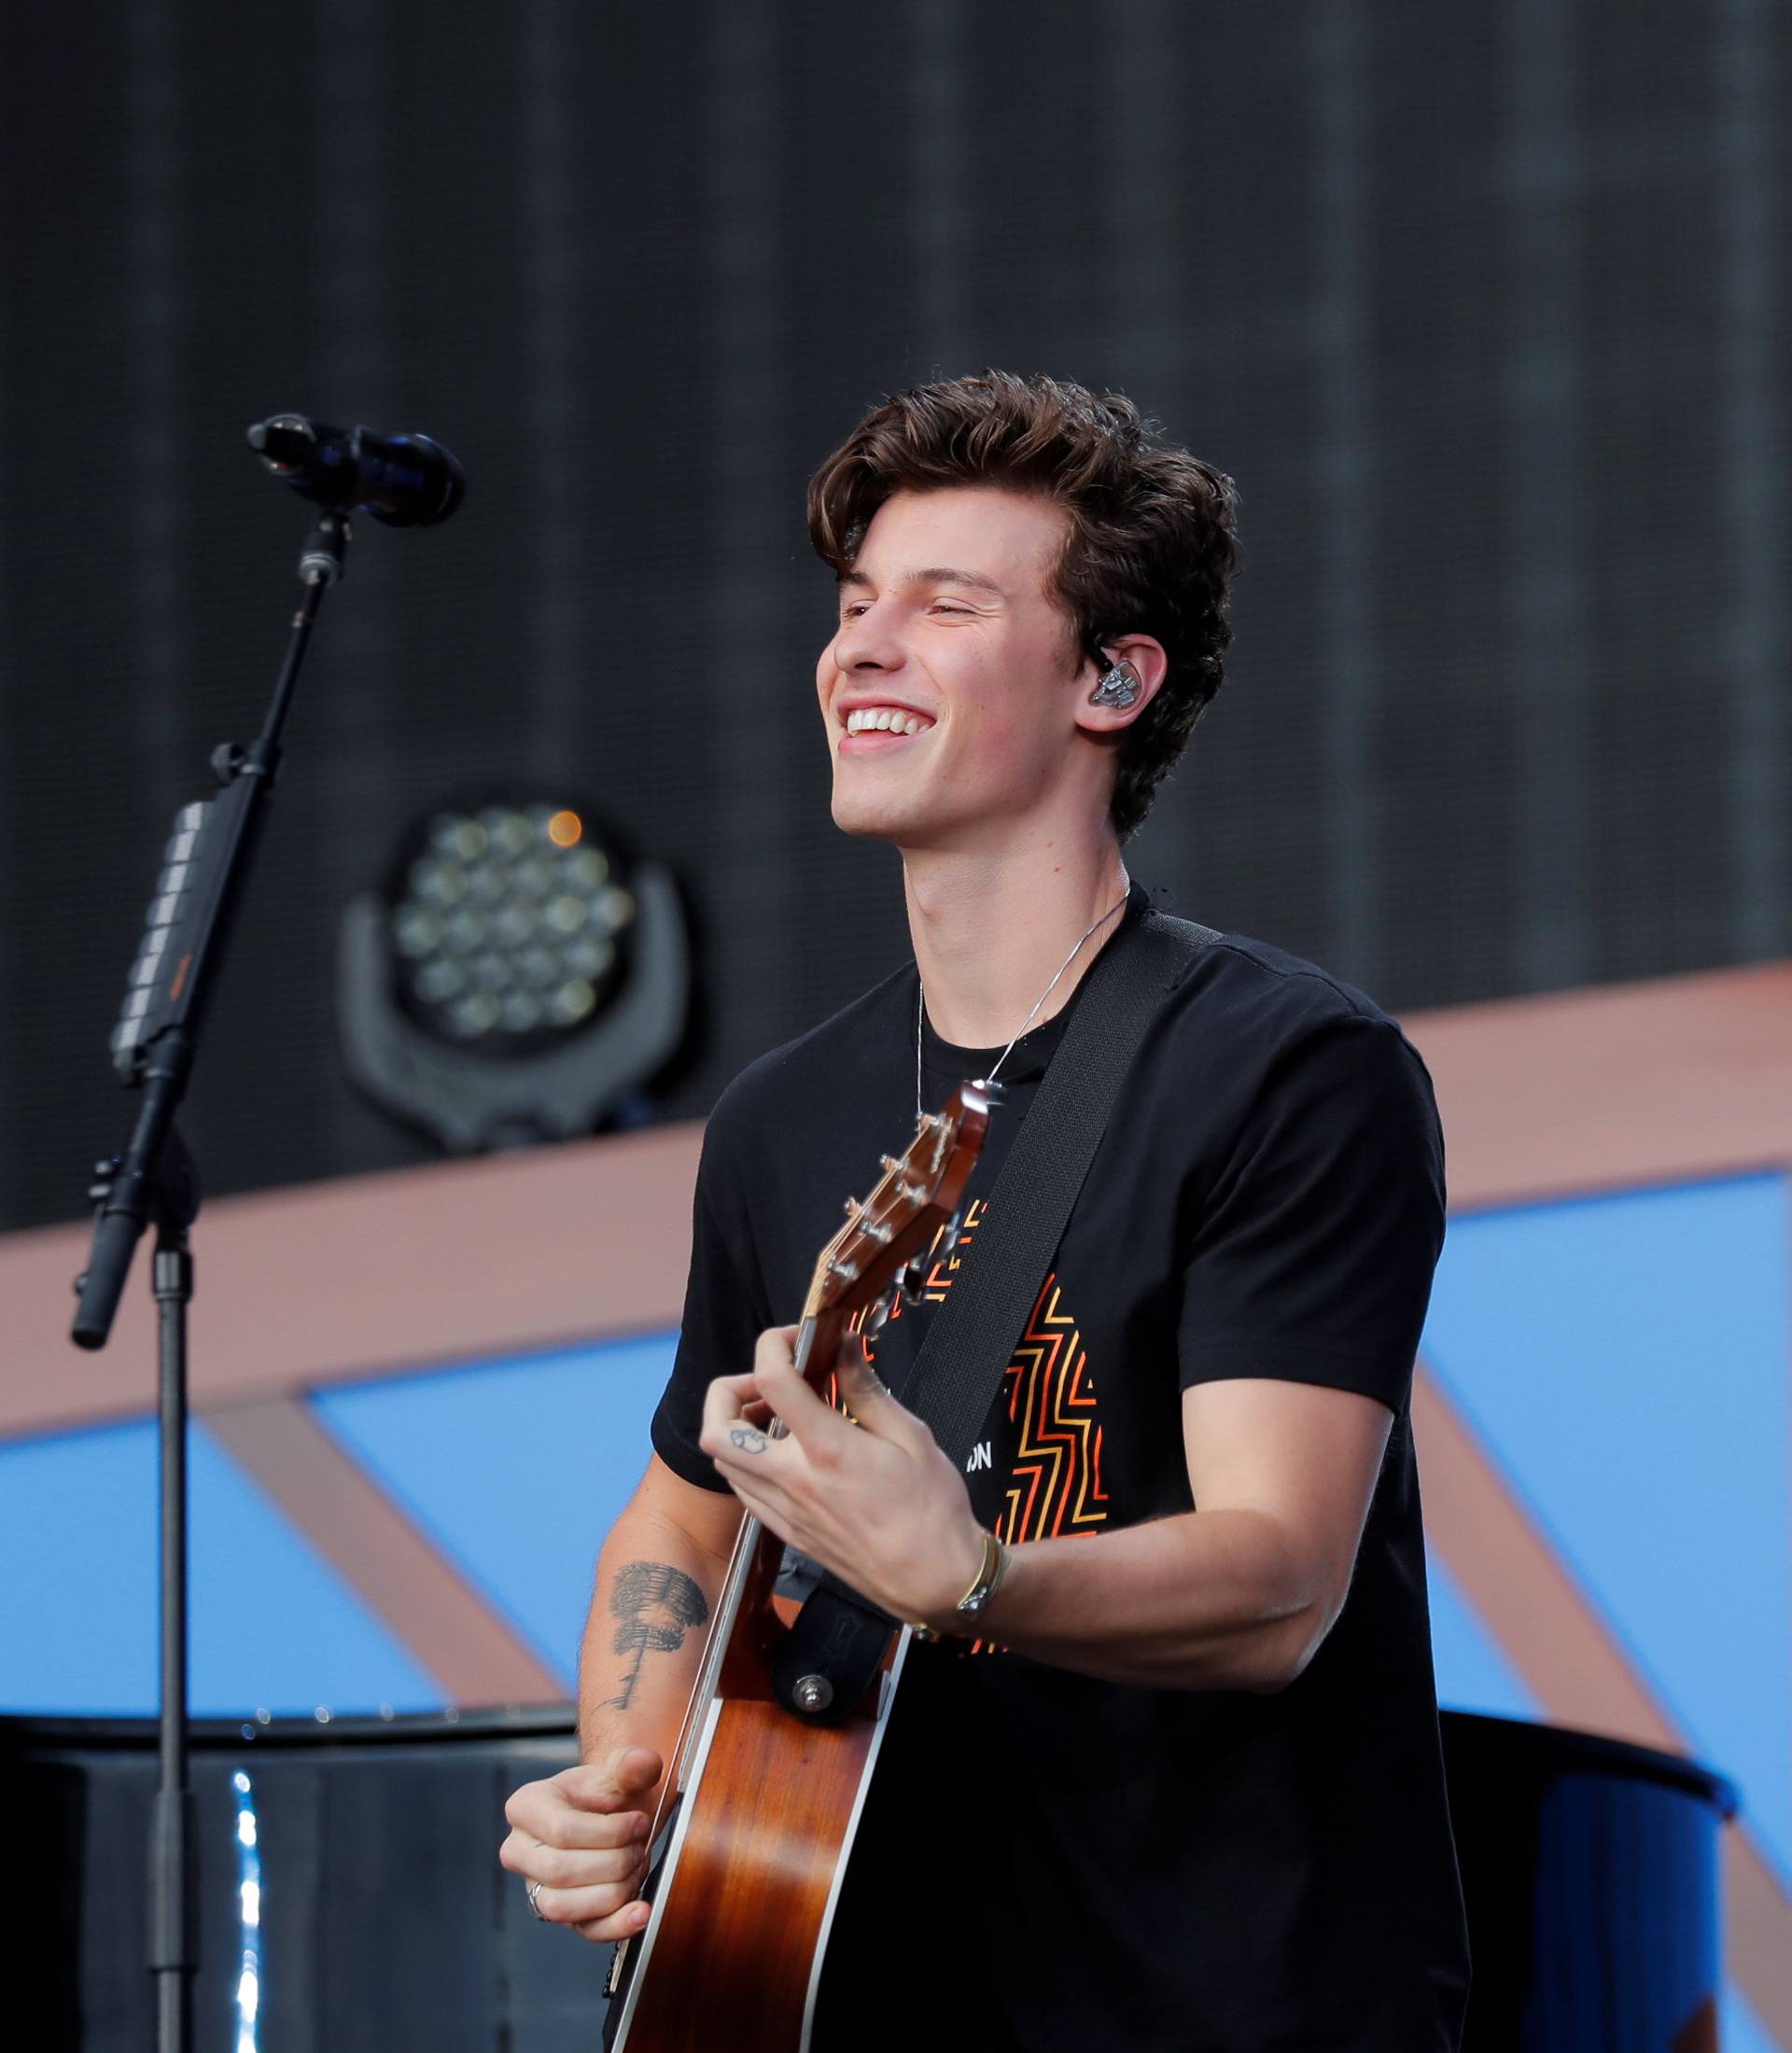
{"x": 654, "y": 1605}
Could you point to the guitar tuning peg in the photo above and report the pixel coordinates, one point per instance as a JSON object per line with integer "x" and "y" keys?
{"x": 911, "y": 1279}
{"x": 949, "y": 1233}
{"x": 891, "y": 1164}
{"x": 877, "y": 1317}
{"x": 852, "y": 1208}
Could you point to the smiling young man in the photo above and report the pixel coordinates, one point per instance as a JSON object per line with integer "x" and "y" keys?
{"x": 1183, "y": 1789}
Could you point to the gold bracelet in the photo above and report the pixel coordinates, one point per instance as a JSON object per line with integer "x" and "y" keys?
{"x": 983, "y": 1586}
{"x": 991, "y": 1568}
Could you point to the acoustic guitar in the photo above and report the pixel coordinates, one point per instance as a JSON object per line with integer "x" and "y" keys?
{"x": 755, "y": 1824}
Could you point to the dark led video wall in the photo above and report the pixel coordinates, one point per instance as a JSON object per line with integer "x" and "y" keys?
{"x": 1484, "y": 308}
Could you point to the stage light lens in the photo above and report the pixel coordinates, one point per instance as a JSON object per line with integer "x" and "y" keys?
{"x": 441, "y": 980}
{"x": 507, "y": 925}
{"x": 588, "y": 956}
{"x": 472, "y": 1015}
{"x": 573, "y": 1001}
{"x": 418, "y": 932}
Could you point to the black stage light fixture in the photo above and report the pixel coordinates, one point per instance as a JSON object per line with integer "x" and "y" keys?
{"x": 518, "y": 978}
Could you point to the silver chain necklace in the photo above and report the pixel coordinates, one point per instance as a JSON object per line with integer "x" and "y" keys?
{"x": 920, "y": 1006}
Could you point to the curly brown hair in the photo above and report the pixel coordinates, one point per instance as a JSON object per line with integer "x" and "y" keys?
{"x": 1152, "y": 542}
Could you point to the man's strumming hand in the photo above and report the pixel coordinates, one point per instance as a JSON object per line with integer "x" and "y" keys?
{"x": 583, "y": 1835}
{"x": 878, "y": 1502}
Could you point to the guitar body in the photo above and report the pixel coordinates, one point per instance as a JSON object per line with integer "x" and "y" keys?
{"x": 756, "y": 1819}
{"x": 732, "y": 1954}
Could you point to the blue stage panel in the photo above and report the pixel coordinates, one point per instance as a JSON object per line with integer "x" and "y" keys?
{"x": 516, "y": 1468}
{"x": 273, "y": 1623}
{"x": 1624, "y": 1360}
{"x": 1743, "y": 2030}
{"x": 1472, "y": 1668}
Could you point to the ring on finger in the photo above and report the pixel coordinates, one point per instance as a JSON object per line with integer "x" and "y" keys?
{"x": 534, "y": 1891}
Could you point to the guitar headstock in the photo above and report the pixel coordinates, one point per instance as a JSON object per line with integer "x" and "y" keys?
{"x": 901, "y": 1218}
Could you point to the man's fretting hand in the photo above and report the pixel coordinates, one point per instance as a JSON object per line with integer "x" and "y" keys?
{"x": 583, "y": 1835}
{"x": 877, "y": 1503}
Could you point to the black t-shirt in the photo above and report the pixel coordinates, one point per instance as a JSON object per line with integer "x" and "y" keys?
{"x": 1048, "y": 1861}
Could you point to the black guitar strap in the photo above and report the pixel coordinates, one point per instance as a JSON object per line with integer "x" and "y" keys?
{"x": 972, "y": 1336}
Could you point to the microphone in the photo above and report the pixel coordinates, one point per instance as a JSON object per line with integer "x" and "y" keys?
{"x": 406, "y": 481}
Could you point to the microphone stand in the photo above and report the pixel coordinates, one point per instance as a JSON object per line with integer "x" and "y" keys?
{"x": 155, "y": 1180}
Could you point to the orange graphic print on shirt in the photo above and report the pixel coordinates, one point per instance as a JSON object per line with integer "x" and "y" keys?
{"x": 1055, "y": 1484}
{"x": 1052, "y": 1488}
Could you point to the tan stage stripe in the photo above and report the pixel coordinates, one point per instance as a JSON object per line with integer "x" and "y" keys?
{"x": 395, "y": 1274}
{"x": 1577, "y": 1671}
{"x": 1580, "y": 1091}
{"x": 402, "y": 1576}
{"x": 1625, "y": 1084}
